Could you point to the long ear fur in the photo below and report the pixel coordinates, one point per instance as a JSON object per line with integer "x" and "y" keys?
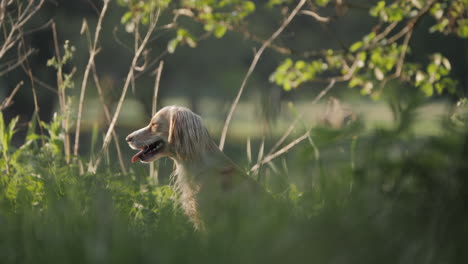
{"x": 187, "y": 134}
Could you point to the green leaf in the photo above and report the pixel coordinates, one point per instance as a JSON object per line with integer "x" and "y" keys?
{"x": 172, "y": 45}
{"x": 322, "y": 2}
{"x": 432, "y": 68}
{"x": 356, "y": 46}
{"x": 462, "y": 30}
{"x": 249, "y": 6}
{"x": 427, "y": 89}
{"x": 220, "y": 30}
{"x": 126, "y": 17}
{"x": 299, "y": 65}
{"x": 376, "y": 9}
{"x": 355, "y": 81}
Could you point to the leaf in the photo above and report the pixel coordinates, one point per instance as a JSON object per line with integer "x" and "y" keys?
{"x": 249, "y": 6}
{"x": 427, "y": 89}
{"x": 462, "y": 30}
{"x": 322, "y": 2}
{"x": 356, "y": 46}
{"x": 376, "y": 9}
{"x": 172, "y": 45}
{"x": 432, "y": 68}
{"x": 355, "y": 81}
{"x": 220, "y": 30}
{"x": 419, "y": 78}
{"x": 126, "y": 17}
{"x": 378, "y": 74}
{"x": 300, "y": 65}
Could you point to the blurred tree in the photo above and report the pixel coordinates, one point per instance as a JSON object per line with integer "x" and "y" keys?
{"x": 371, "y": 63}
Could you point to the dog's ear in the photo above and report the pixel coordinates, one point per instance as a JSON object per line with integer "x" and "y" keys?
{"x": 187, "y": 134}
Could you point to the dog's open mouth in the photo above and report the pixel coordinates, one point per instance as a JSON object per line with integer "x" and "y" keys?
{"x": 148, "y": 151}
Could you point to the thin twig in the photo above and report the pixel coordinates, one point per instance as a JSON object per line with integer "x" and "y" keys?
{"x": 384, "y": 33}
{"x": 27, "y": 68}
{"x": 156, "y": 87}
{"x": 15, "y": 34}
{"x": 280, "y": 152}
{"x": 18, "y": 62}
{"x": 404, "y": 48}
{"x": 324, "y": 91}
{"x": 294, "y": 123}
{"x": 107, "y": 138}
{"x": 153, "y": 172}
{"x": 249, "y": 151}
{"x": 62, "y": 95}
{"x": 257, "y": 56}
{"x": 260, "y": 152}
{"x": 410, "y": 25}
{"x": 92, "y": 54}
{"x": 108, "y": 118}
{"x": 316, "y": 16}
{"x": 9, "y": 100}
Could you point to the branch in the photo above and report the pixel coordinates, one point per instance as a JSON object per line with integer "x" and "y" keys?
{"x": 410, "y": 25}
{"x": 9, "y": 100}
{"x": 14, "y": 34}
{"x": 108, "y": 118}
{"x": 280, "y": 152}
{"x": 92, "y": 168}
{"x": 92, "y": 54}
{"x": 18, "y": 62}
{"x": 293, "y": 125}
{"x": 316, "y": 16}
{"x": 156, "y": 87}
{"x": 153, "y": 173}
{"x": 252, "y": 67}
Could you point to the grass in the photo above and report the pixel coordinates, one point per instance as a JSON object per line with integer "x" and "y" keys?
{"x": 374, "y": 196}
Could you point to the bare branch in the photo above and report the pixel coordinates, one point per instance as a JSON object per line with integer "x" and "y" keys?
{"x": 280, "y": 152}
{"x": 61, "y": 95}
{"x": 410, "y": 25}
{"x": 156, "y": 87}
{"x": 257, "y": 56}
{"x": 9, "y": 100}
{"x": 18, "y": 62}
{"x": 108, "y": 118}
{"x": 294, "y": 123}
{"x": 14, "y": 34}
{"x": 316, "y": 16}
{"x": 152, "y": 25}
{"x": 92, "y": 54}
{"x": 324, "y": 91}
{"x": 153, "y": 172}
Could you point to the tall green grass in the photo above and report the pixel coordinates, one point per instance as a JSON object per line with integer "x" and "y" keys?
{"x": 383, "y": 197}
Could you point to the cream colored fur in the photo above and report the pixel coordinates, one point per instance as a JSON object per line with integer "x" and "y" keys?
{"x": 203, "y": 174}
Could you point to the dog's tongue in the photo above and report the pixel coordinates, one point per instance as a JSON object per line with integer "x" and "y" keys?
{"x": 137, "y": 156}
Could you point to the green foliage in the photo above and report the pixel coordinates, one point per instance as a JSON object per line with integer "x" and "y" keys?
{"x": 396, "y": 11}
{"x": 379, "y": 57}
{"x": 140, "y": 11}
{"x": 183, "y": 37}
{"x": 68, "y": 52}
{"x": 380, "y": 185}
{"x": 451, "y": 17}
{"x": 291, "y": 74}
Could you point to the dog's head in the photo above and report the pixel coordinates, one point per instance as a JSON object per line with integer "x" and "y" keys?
{"x": 174, "y": 131}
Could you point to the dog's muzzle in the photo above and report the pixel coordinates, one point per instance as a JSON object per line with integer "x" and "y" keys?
{"x": 149, "y": 151}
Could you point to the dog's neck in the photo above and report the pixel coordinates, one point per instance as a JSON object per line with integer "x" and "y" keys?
{"x": 194, "y": 167}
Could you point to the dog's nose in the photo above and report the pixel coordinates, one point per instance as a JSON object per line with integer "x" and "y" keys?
{"x": 129, "y": 138}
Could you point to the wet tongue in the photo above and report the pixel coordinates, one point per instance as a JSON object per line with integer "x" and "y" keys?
{"x": 137, "y": 156}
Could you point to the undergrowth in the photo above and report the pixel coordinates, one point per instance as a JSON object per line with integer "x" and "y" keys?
{"x": 396, "y": 198}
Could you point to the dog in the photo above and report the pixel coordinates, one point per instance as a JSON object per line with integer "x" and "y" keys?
{"x": 204, "y": 178}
